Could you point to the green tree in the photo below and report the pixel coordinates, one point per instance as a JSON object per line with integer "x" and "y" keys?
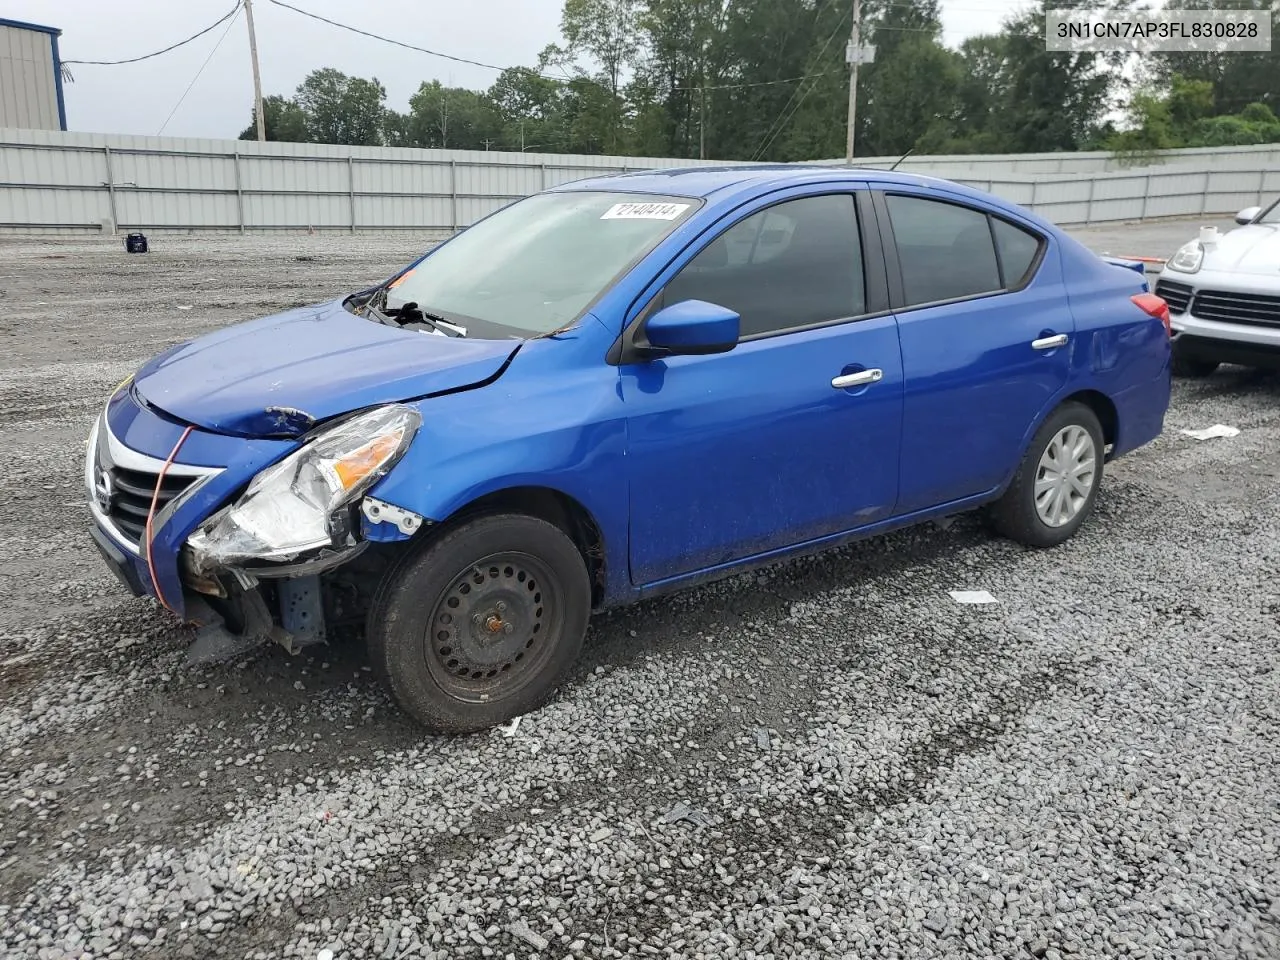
{"x": 1189, "y": 102}
{"x": 1050, "y": 100}
{"x": 451, "y": 118}
{"x": 606, "y": 33}
{"x": 283, "y": 120}
{"x": 1237, "y": 79}
{"x": 755, "y": 107}
{"x": 529, "y": 106}
{"x": 913, "y": 93}
{"x": 342, "y": 109}
{"x": 1179, "y": 113}
{"x": 982, "y": 88}
{"x": 683, "y": 65}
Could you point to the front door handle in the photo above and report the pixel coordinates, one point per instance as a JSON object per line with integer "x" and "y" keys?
{"x": 859, "y": 379}
{"x": 1049, "y": 343}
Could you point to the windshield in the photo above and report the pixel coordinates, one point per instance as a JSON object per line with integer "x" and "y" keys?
{"x": 535, "y": 266}
{"x": 1271, "y": 214}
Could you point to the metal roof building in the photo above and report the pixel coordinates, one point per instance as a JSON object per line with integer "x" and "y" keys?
{"x": 30, "y": 77}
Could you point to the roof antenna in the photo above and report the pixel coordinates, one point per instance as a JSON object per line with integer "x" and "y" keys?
{"x": 901, "y": 158}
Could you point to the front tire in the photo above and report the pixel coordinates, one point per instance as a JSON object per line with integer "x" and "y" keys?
{"x": 1056, "y": 485}
{"x": 480, "y": 625}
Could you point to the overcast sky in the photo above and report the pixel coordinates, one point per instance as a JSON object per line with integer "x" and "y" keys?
{"x": 137, "y": 98}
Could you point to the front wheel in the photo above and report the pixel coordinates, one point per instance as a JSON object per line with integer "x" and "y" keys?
{"x": 479, "y": 625}
{"x": 1057, "y": 482}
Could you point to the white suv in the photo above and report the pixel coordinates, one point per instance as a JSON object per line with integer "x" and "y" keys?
{"x": 1223, "y": 292}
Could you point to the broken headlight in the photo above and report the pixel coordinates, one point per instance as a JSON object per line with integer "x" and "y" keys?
{"x": 296, "y": 505}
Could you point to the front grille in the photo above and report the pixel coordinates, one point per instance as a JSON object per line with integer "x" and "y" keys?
{"x": 130, "y": 497}
{"x": 1249, "y": 308}
{"x": 1176, "y": 295}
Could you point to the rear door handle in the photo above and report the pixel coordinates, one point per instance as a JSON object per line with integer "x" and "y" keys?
{"x": 859, "y": 379}
{"x": 1048, "y": 343}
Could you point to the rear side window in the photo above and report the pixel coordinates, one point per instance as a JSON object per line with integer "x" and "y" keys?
{"x": 946, "y": 251}
{"x": 1017, "y": 249}
{"x": 795, "y": 264}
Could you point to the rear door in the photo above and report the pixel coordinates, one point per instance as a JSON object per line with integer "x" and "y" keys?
{"x": 986, "y": 335}
{"x": 794, "y": 434}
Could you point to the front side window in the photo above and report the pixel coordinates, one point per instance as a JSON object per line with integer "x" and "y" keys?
{"x": 795, "y": 264}
{"x": 538, "y": 264}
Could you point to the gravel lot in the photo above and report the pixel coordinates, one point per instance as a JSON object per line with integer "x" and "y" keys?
{"x": 833, "y": 759}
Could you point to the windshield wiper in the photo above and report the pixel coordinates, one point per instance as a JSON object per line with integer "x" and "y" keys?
{"x": 411, "y": 313}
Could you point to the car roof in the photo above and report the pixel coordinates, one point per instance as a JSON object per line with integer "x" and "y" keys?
{"x": 702, "y": 182}
{"x": 756, "y": 179}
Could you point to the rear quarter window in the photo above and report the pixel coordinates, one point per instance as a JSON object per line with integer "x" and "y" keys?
{"x": 1018, "y": 249}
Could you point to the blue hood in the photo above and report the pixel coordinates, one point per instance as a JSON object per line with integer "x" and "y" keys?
{"x": 279, "y": 375}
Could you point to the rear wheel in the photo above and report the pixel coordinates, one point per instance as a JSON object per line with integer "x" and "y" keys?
{"x": 1057, "y": 482}
{"x": 1193, "y": 369}
{"x": 481, "y": 624}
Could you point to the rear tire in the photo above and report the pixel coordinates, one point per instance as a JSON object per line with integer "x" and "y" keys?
{"x": 1192, "y": 369}
{"x": 1056, "y": 485}
{"x": 479, "y": 625}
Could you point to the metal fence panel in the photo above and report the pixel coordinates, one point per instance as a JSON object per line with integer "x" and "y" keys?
{"x": 403, "y": 213}
{"x": 78, "y": 182}
{"x": 177, "y": 209}
{"x": 297, "y": 211}
{"x": 374, "y": 176}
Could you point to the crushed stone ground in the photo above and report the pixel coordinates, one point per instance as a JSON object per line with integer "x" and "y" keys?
{"x": 832, "y": 758}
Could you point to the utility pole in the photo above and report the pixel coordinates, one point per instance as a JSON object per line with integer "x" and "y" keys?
{"x": 257, "y": 77}
{"x": 702, "y": 120}
{"x": 855, "y": 55}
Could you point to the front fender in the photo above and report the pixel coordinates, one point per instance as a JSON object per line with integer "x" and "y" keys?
{"x": 542, "y": 424}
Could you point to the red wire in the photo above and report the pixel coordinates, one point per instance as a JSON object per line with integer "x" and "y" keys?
{"x": 155, "y": 498}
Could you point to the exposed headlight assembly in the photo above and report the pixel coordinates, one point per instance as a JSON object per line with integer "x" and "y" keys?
{"x": 298, "y": 505}
{"x": 1188, "y": 258}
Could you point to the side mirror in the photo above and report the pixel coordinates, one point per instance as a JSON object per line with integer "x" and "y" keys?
{"x": 1246, "y": 215}
{"x": 693, "y": 327}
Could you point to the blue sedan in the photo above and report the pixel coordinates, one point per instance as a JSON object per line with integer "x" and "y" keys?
{"x": 615, "y": 388}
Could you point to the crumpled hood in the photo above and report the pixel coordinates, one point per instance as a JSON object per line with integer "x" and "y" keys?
{"x": 1254, "y": 249}
{"x": 279, "y": 375}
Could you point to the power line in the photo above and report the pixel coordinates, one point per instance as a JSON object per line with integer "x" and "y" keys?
{"x": 769, "y": 134}
{"x": 410, "y": 46}
{"x": 180, "y": 43}
{"x": 781, "y": 121}
{"x": 230, "y": 24}
{"x": 762, "y": 83}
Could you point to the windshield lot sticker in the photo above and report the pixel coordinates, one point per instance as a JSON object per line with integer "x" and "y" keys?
{"x": 645, "y": 211}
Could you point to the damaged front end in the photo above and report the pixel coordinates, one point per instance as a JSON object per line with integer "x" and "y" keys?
{"x": 253, "y": 571}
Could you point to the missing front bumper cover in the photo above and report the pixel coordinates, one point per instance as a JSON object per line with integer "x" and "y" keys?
{"x": 379, "y": 511}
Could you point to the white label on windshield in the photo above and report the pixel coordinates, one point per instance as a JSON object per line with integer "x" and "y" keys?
{"x": 645, "y": 211}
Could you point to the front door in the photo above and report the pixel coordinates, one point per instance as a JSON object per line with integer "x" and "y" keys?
{"x": 792, "y": 435}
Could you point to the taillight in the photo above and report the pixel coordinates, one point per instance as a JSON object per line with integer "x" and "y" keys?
{"x": 1154, "y": 306}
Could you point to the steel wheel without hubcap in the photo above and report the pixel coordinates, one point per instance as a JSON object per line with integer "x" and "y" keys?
{"x": 480, "y": 621}
{"x": 1065, "y": 476}
{"x": 489, "y": 633}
